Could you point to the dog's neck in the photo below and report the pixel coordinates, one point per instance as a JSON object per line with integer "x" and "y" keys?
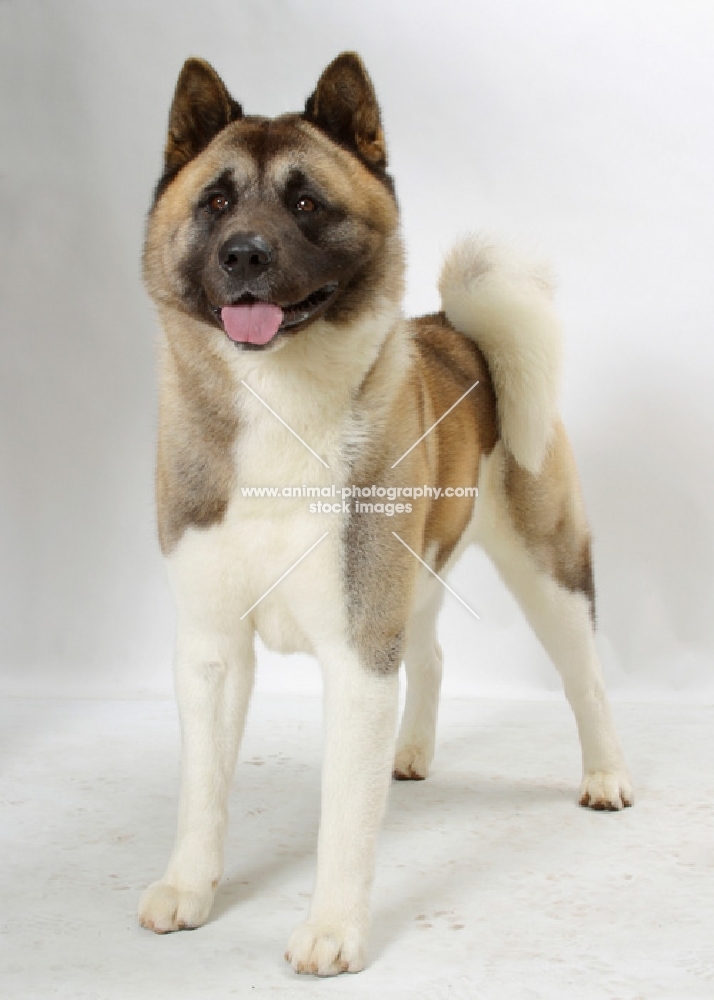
{"x": 324, "y": 361}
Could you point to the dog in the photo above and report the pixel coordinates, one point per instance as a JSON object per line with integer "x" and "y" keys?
{"x": 273, "y": 255}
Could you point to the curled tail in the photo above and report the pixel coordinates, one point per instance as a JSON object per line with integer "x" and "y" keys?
{"x": 505, "y": 305}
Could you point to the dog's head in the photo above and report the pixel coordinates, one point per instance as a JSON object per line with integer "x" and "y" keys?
{"x": 261, "y": 226}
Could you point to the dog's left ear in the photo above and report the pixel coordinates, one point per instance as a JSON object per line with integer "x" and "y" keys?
{"x": 344, "y": 106}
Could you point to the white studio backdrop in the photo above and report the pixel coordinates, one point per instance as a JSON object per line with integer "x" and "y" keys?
{"x": 583, "y": 130}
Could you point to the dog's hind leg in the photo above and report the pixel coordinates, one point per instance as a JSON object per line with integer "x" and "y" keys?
{"x": 422, "y": 659}
{"x": 214, "y": 679}
{"x": 534, "y": 529}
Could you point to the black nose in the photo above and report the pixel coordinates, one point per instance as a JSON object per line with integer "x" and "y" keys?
{"x": 245, "y": 255}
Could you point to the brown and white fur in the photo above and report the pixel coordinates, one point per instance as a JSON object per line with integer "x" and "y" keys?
{"x": 360, "y": 384}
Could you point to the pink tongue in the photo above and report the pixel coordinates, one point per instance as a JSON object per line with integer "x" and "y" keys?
{"x": 256, "y": 323}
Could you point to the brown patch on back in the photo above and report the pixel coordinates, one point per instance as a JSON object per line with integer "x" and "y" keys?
{"x": 450, "y": 364}
{"x": 548, "y": 513}
{"x": 380, "y": 574}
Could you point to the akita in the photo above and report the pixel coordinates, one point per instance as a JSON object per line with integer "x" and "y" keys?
{"x": 273, "y": 254}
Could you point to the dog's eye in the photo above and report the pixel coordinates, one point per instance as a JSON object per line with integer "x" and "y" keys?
{"x": 218, "y": 203}
{"x": 305, "y": 204}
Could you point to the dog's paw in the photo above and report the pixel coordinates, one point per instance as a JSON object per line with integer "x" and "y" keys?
{"x": 326, "y": 950}
{"x": 606, "y": 790}
{"x": 411, "y": 763}
{"x": 164, "y": 908}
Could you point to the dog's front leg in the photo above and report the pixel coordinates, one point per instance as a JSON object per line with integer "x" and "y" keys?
{"x": 214, "y": 679}
{"x": 360, "y": 733}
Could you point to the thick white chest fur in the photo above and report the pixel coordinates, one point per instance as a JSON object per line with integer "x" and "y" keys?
{"x": 218, "y": 573}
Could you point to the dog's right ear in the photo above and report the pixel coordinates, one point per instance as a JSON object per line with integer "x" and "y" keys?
{"x": 201, "y": 108}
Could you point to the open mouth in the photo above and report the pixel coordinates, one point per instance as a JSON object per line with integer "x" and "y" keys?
{"x": 254, "y": 323}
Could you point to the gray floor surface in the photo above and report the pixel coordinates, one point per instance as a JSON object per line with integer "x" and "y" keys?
{"x": 491, "y": 881}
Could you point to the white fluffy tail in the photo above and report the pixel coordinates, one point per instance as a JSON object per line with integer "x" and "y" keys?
{"x": 505, "y": 305}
